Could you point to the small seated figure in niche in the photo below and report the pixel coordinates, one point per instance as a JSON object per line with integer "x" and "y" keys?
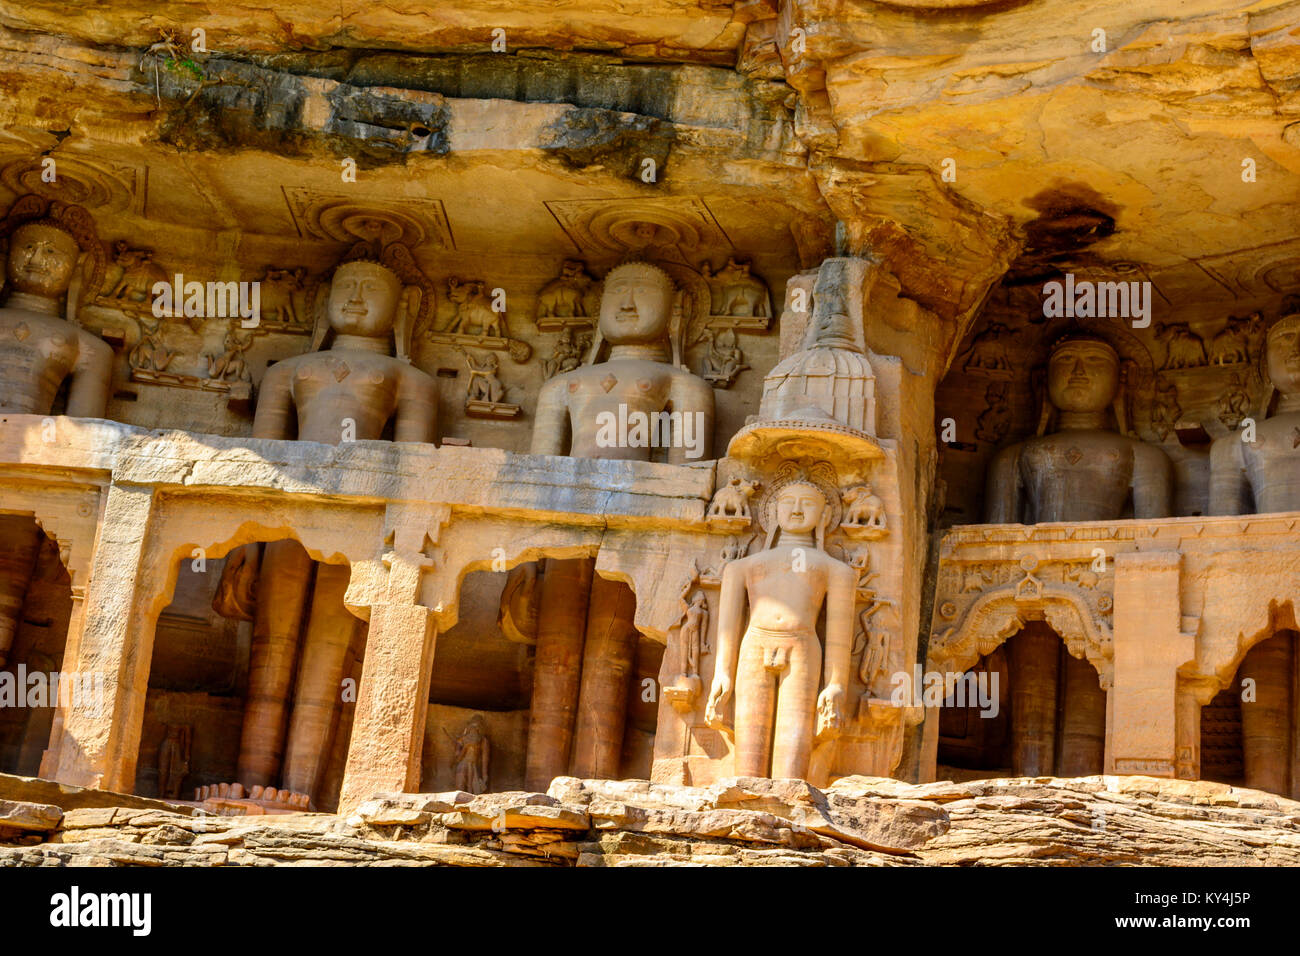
{"x": 725, "y": 360}
{"x": 1085, "y": 470}
{"x": 1263, "y": 476}
{"x": 484, "y": 386}
{"x": 150, "y": 354}
{"x": 472, "y": 760}
{"x": 231, "y": 364}
{"x": 567, "y": 354}
{"x": 775, "y": 667}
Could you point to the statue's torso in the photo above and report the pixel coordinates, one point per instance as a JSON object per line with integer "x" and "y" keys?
{"x": 638, "y": 385}
{"x": 1076, "y": 476}
{"x": 780, "y": 597}
{"x": 37, "y": 352}
{"x": 337, "y": 384}
{"x": 1273, "y": 463}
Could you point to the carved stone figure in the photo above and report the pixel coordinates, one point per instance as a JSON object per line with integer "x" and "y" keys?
{"x": 695, "y": 633}
{"x": 995, "y": 421}
{"x": 732, "y": 499}
{"x": 1264, "y": 475}
{"x": 565, "y": 296}
{"x": 875, "y": 653}
{"x": 586, "y": 641}
{"x": 1084, "y": 471}
{"x": 354, "y": 386}
{"x": 484, "y": 386}
{"x": 725, "y": 361}
{"x": 735, "y": 292}
{"x": 567, "y": 354}
{"x": 139, "y": 273}
{"x": 280, "y": 290}
{"x": 1234, "y": 403}
{"x": 1165, "y": 410}
{"x": 173, "y": 761}
{"x": 774, "y": 668}
{"x": 231, "y": 364}
{"x": 988, "y": 350}
{"x": 150, "y": 354}
{"x": 473, "y": 313}
{"x": 1232, "y": 345}
{"x": 472, "y": 761}
{"x": 863, "y": 508}
{"x": 1184, "y": 347}
{"x": 39, "y": 348}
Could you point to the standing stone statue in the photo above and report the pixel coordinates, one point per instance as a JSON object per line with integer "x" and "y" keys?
{"x": 40, "y": 350}
{"x": 350, "y": 389}
{"x": 173, "y": 761}
{"x": 1263, "y": 475}
{"x": 775, "y": 669}
{"x": 586, "y": 639}
{"x": 473, "y": 758}
{"x": 1084, "y": 471}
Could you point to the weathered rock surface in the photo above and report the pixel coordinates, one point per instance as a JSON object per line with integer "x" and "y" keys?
{"x": 858, "y": 821}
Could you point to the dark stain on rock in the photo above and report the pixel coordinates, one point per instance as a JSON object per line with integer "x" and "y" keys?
{"x": 618, "y": 142}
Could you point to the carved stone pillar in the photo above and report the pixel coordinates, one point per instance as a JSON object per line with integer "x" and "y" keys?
{"x": 608, "y": 660}
{"x": 95, "y": 743}
{"x": 1266, "y": 721}
{"x": 1083, "y": 721}
{"x": 557, "y": 668}
{"x": 282, "y": 591}
{"x": 331, "y": 629}
{"x": 392, "y": 704}
{"x": 1034, "y": 658}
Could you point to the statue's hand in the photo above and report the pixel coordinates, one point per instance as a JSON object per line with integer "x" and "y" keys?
{"x": 719, "y": 694}
{"x": 830, "y": 714}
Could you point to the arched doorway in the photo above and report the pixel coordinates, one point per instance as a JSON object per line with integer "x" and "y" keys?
{"x": 1049, "y": 718}
{"x": 1248, "y": 731}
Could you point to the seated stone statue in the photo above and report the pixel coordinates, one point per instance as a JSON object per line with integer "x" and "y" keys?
{"x": 573, "y": 408}
{"x": 356, "y": 379}
{"x": 39, "y": 349}
{"x": 1084, "y": 471}
{"x": 586, "y": 636}
{"x": 349, "y": 390}
{"x": 776, "y": 667}
{"x": 1263, "y": 475}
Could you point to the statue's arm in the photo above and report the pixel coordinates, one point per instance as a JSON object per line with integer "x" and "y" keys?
{"x": 1002, "y": 488}
{"x": 417, "y": 407}
{"x": 692, "y": 396}
{"x": 731, "y": 611}
{"x": 92, "y": 377}
{"x": 551, "y": 420}
{"x": 1229, "y": 489}
{"x": 839, "y": 625}
{"x": 275, "y": 403}
{"x": 1153, "y": 482}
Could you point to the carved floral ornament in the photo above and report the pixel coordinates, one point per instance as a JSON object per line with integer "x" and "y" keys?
{"x": 999, "y": 614}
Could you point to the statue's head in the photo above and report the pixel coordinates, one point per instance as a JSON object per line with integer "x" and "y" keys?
{"x": 1082, "y": 375}
{"x": 42, "y": 259}
{"x": 1284, "y": 355}
{"x": 363, "y": 300}
{"x": 636, "y": 304}
{"x": 800, "y": 506}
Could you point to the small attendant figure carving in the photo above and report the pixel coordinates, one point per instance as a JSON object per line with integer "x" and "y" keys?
{"x": 484, "y": 386}
{"x": 473, "y": 758}
{"x": 775, "y": 668}
{"x": 173, "y": 761}
{"x": 725, "y": 360}
{"x": 231, "y": 363}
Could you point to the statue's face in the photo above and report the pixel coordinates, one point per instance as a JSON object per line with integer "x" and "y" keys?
{"x": 363, "y": 299}
{"x": 799, "y": 508}
{"x": 635, "y": 305}
{"x": 1082, "y": 377}
{"x": 1284, "y": 356}
{"x": 41, "y": 260}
